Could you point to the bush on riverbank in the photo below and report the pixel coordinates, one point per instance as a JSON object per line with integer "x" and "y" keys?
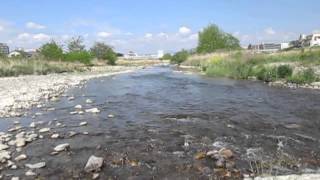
{"x": 265, "y": 67}
{"x": 16, "y": 67}
{"x": 179, "y": 57}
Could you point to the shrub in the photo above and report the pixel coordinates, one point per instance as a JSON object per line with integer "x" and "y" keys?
{"x": 105, "y": 52}
{"x": 76, "y": 44}
{"x": 51, "y": 51}
{"x": 80, "y": 56}
{"x": 213, "y": 38}
{"x": 179, "y": 57}
{"x": 284, "y": 71}
{"x": 305, "y": 77}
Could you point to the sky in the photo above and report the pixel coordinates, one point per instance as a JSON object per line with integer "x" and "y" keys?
{"x": 146, "y": 26}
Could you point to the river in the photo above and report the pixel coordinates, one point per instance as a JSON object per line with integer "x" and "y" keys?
{"x": 154, "y": 121}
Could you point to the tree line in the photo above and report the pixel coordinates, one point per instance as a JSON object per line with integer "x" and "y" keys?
{"x": 76, "y": 52}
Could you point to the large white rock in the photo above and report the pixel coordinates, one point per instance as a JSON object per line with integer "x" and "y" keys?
{"x": 94, "y": 163}
{"x": 36, "y": 165}
{"x": 61, "y": 147}
{"x": 4, "y": 156}
{"x": 20, "y": 142}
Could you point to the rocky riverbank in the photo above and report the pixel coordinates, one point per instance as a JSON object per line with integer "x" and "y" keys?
{"x": 20, "y": 93}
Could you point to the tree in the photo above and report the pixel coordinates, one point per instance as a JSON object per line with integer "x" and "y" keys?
{"x": 51, "y": 51}
{"x": 167, "y": 56}
{"x": 179, "y": 57}
{"x": 76, "y": 44}
{"x": 105, "y": 52}
{"x": 212, "y": 39}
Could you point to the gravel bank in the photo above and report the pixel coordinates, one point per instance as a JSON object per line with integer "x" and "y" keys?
{"x": 18, "y": 93}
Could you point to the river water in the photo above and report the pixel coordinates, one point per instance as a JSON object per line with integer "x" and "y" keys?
{"x": 163, "y": 117}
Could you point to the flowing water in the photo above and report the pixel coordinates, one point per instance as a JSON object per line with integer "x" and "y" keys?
{"x": 162, "y": 118}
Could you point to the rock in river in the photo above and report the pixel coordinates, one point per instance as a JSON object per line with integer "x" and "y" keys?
{"x": 61, "y": 147}
{"x": 93, "y": 110}
{"x": 94, "y": 163}
{"x": 36, "y": 165}
{"x": 83, "y": 123}
{"x": 3, "y": 146}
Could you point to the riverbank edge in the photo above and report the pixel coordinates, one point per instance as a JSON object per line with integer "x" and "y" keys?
{"x": 18, "y": 94}
{"x": 278, "y": 83}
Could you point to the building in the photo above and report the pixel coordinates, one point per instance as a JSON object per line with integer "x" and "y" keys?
{"x": 268, "y": 47}
{"x": 4, "y": 49}
{"x": 310, "y": 40}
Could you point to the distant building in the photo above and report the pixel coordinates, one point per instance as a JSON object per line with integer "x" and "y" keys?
{"x": 268, "y": 47}
{"x": 131, "y": 55}
{"x": 4, "y": 49}
{"x": 309, "y": 40}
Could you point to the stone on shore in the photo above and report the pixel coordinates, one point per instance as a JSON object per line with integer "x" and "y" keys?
{"x": 78, "y": 106}
{"x": 4, "y": 156}
{"x": 30, "y": 173}
{"x": 3, "y": 146}
{"x": 94, "y": 164}
{"x": 55, "y": 136}
{"x": 89, "y": 101}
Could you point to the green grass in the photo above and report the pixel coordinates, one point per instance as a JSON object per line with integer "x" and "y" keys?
{"x": 16, "y": 67}
{"x": 266, "y": 67}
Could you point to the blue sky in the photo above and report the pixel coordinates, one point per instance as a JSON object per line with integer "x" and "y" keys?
{"x": 146, "y": 26}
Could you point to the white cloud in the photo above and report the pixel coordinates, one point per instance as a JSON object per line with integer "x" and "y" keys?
{"x": 41, "y": 37}
{"x": 128, "y": 34}
{"x": 148, "y": 35}
{"x": 163, "y": 35}
{"x": 33, "y": 25}
{"x": 183, "y": 30}
{"x": 23, "y": 36}
{"x": 270, "y": 31}
{"x": 1, "y": 28}
{"x": 104, "y": 34}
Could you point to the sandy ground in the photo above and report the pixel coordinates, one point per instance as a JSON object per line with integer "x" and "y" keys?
{"x": 18, "y": 93}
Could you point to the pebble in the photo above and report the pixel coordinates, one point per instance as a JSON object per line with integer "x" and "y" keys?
{"x": 71, "y": 98}
{"x": 95, "y": 175}
{"x": 80, "y": 112}
{"x": 110, "y": 116}
{"x": 30, "y": 173}
{"x": 85, "y": 133}
{"x": 16, "y": 122}
{"x": 32, "y": 125}
{"x": 78, "y": 106}
{"x": 20, "y": 142}
{"x": 89, "y": 101}
{"x": 61, "y": 147}
{"x": 20, "y": 157}
{"x": 55, "y": 136}
{"x": 43, "y": 130}
{"x": 15, "y": 178}
{"x": 93, "y": 164}
{"x": 200, "y": 155}
{"x": 83, "y": 123}
{"x": 226, "y": 153}
{"x": 93, "y": 110}
{"x": 72, "y": 133}
{"x": 3, "y": 146}
{"x": 36, "y": 165}
{"x": 73, "y": 113}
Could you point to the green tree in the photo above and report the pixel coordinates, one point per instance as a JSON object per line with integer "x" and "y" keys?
{"x": 51, "y": 51}
{"x": 105, "y": 52}
{"x": 167, "y": 56}
{"x": 179, "y": 57}
{"x": 76, "y": 44}
{"x": 80, "y": 56}
{"x": 213, "y": 38}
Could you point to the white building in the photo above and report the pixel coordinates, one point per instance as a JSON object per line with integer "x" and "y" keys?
{"x": 310, "y": 40}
